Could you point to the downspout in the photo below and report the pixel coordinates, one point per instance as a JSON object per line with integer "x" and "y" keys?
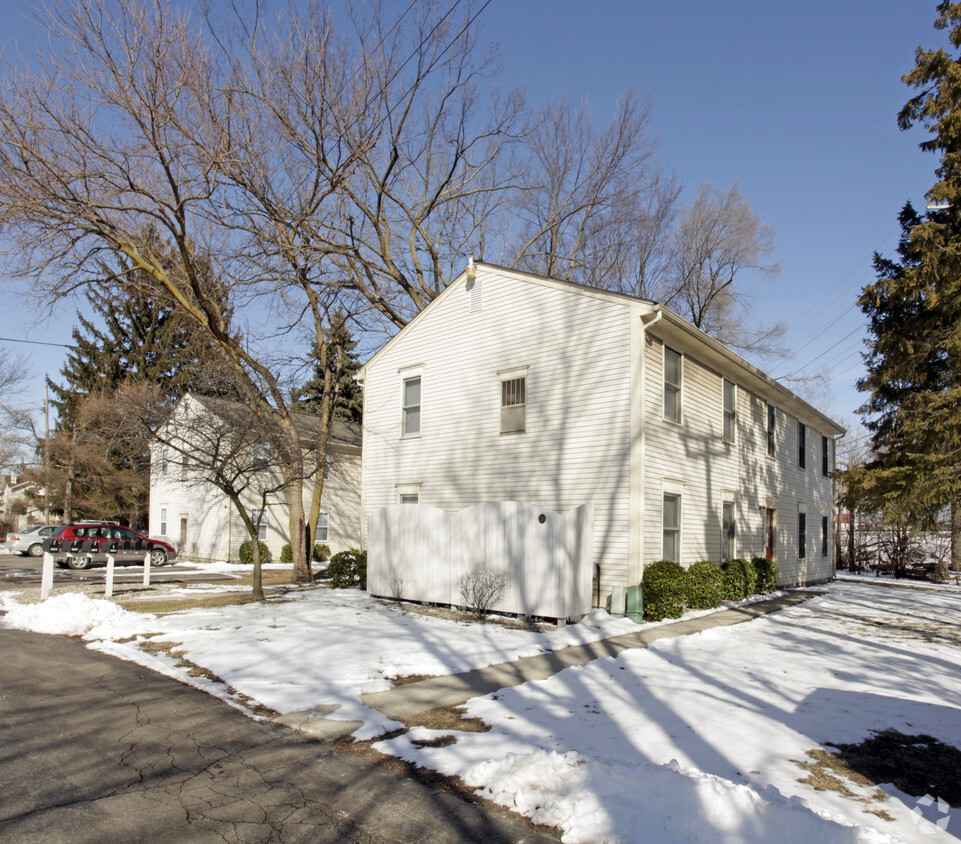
{"x": 638, "y": 448}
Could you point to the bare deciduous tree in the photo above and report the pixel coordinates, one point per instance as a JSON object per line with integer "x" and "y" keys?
{"x": 719, "y": 238}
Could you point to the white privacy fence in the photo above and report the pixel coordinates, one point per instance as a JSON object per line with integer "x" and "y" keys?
{"x": 420, "y": 553}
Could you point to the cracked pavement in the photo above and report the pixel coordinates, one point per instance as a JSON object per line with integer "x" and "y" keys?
{"x": 95, "y": 749}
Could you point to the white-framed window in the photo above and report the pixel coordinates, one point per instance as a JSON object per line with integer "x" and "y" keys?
{"x": 825, "y": 456}
{"x": 771, "y": 429}
{"x": 185, "y": 467}
{"x": 514, "y": 405}
{"x": 671, "y": 521}
{"x": 728, "y": 531}
{"x": 260, "y": 517}
{"x": 261, "y": 457}
{"x": 673, "y": 367}
{"x": 824, "y": 536}
{"x": 801, "y": 445}
{"x": 730, "y": 410}
{"x": 163, "y": 521}
{"x": 408, "y": 493}
{"x": 162, "y": 460}
{"x": 410, "y": 426}
{"x": 802, "y": 526}
{"x": 322, "y": 531}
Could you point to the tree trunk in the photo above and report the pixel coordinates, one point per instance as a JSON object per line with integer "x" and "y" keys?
{"x": 956, "y": 535}
{"x": 294, "y": 493}
{"x": 853, "y": 564}
{"x": 257, "y": 578}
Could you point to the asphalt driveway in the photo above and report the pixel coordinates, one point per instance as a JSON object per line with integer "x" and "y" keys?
{"x": 99, "y": 750}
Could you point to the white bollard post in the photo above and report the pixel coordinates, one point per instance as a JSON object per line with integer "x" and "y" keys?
{"x": 146, "y": 569}
{"x": 108, "y": 592}
{"x": 46, "y": 576}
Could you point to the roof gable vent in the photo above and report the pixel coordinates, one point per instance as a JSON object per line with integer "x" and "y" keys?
{"x": 474, "y": 290}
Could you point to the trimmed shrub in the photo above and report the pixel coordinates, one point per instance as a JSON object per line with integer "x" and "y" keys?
{"x": 735, "y": 581}
{"x": 705, "y": 586}
{"x": 321, "y": 552}
{"x": 286, "y": 554}
{"x": 247, "y": 553}
{"x": 766, "y": 574}
{"x": 750, "y": 578}
{"x": 348, "y": 569}
{"x": 664, "y": 589}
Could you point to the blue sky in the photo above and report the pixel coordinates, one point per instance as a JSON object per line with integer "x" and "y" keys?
{"x": 797, "y": 103}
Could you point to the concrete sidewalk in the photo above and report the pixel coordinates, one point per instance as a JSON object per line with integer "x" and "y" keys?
{"x": 452, "y": 690}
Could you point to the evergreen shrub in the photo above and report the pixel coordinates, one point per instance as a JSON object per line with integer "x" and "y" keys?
{"x": 766, "y": 574}
{"x": 321, "y": 552}
{"x": 664, "y": 588}
{"x": 348, "y": 569}
{"x": 735, "y": 580}
{"x": 247, "y": 553}
{"x": 705, "y": 586}
{"x": 286, "y": 554}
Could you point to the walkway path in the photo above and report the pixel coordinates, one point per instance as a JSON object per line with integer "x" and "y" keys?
{"x": 406, "y": 701}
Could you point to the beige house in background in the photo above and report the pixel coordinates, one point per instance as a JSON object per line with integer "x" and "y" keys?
{"x": 204, "y": 524}
{"x": 510, "y": 386}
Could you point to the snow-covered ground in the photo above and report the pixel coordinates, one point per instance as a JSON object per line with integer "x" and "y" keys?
{"x": 694, "y": 739}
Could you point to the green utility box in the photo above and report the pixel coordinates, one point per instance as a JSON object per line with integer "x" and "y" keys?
{"x": 635, "y": 604}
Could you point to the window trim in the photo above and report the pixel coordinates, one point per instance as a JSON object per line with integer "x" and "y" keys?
{"x": 802, "y": 532}
{"x": 325, "y": 514}
{"x": 825, "y": 461}
{"x": 260, "y": 457}
{"x": 262, "y": 527}
{"x": 801, "y": 445}
{"x": 511, "y": 387}
{"x": 728, "y": 536}
{"x": 674, "y": 529}
{"x": 728, "y": 413}
{"x": 405, "y": 409}
{"x": 677, "y": 387}
{"x": 771, "y": 430}
{"x": 163, "y": 520}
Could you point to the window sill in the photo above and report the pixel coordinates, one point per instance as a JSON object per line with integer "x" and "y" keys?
{"x": 512, "y": 433}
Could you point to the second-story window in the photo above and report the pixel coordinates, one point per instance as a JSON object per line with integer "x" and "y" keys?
{"x": 411, "y": 423}
{"x": 672, "y": 385}
{"x": 824, "y": 456}
{"x": 730, "y": 410}
{"x": 771, "y": 427}
{"x": 514, "y": 406}
{"x": 801, "y": 445}
{"x": 261, "y": 457}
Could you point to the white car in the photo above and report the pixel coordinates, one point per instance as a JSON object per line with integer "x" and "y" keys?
{"x": 28, "y": 541}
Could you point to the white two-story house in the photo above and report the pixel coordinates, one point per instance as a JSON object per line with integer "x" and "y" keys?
{"x": 196, "y": 516}
{"x": 510, "y": 386}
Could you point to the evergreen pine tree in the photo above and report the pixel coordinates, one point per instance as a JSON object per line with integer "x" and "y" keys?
{"x": 914, "y": 312}
{"x": 334, "y": 364}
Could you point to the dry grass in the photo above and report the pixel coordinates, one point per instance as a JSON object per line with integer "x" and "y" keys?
{"x": 447, "y": 718}
{"x": 917, "y": 765}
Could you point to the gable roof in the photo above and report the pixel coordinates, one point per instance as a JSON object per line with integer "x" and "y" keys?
{"x": 345, "y": 435}
{"x": 670, "y": 324}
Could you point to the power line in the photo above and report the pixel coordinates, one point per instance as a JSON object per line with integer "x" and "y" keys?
{"x": 35, "y": 342}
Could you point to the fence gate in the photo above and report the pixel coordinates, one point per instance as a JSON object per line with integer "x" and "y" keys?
{"x": 420, "y": 553}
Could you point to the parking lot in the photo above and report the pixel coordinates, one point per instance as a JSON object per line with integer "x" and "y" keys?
{"x": 17, "y": 571}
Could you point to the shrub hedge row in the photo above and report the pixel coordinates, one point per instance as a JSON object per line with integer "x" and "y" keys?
{"x": 669, "y": 588}
{"x": 320, "y": 553}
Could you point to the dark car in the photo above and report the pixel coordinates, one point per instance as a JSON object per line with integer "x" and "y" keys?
{"x": 84, "y": 544}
